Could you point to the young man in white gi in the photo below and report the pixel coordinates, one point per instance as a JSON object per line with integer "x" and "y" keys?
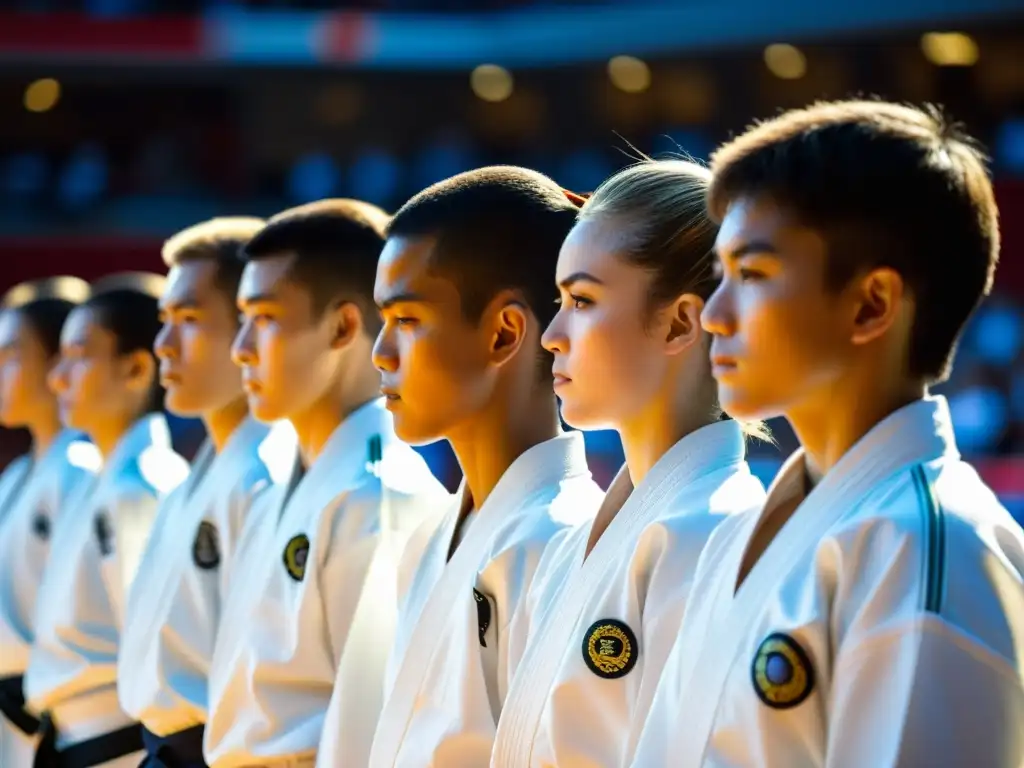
{"x": 312, "y": 594}
{"x": 107, "y": 386}
{"x": 176, "y": 601}
{"x": 872, "y": 614}
{"x": 630, "y": 355}
{"x": 464, "y": 286}
{"x": 34, "y": 487}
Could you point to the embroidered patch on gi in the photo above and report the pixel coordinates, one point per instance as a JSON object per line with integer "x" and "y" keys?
{"x": 206, "y": 546}
{"x": 295, "y": 553}
{"x": 610, "y": 649}
{"x": 782, "y": 673}
{"x": 104, "y": 534}
{"x": 41, "y": 526}
{"x": 483, "y": 615}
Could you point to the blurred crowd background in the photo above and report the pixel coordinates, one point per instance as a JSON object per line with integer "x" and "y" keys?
{"x": 125, "y": 120}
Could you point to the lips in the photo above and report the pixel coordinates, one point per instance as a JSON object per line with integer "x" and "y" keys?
{"x": 390, "y": 394}
{"x": 252, "y": 386}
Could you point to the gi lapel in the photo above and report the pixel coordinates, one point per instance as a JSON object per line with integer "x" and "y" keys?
{"x": 916, "y": 433}
{"x": 718, "y": 444}
{"x": 530, "y": 475}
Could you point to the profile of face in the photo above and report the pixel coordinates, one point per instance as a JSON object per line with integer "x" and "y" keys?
{"x": 779, "y": 336}
{"x": 284, "y": 347}
{"x": 24, "y": 366}
{"x": 194, "y": 343}
{"x": 613, "y": 352}
{"x": 95, "y": 385}
{"x": 437, "y": 368}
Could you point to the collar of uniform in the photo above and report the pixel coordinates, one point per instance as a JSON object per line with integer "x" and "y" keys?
{"x": 711, "y": 447}
{"x": 346, "y": 452}
{"x": 541, "y": 466}
{"x": 919, "y": 432}
{"x": 149, "y": 431}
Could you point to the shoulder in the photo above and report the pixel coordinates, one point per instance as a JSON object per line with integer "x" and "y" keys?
{"x": 550, "y": 519}
{"x": 698, "y": 509}
{"x": 932, "y": 540}
{"x": 156, "y": 471}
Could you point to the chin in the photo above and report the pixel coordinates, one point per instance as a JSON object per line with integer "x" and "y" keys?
{"x": 579, "y": 418}
{"x": 412, "y": 433}
{"x": 180, "y": 405}
{"x": 743, "y": 407}
{"x": 263, "y": 411}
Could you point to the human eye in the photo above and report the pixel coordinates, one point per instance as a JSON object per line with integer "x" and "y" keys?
{"x": 749, "y": 274}
{"x": 580, "y": 302}
{"x": 406, "y": 322}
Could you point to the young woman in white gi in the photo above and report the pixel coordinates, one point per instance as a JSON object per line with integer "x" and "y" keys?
{"x": 175, "y": 604}
{"x": 107, "y": 386}
{"x": 34, "y": 486}
{"x": 629, "y": 355}
{"x": 872, "y": 613}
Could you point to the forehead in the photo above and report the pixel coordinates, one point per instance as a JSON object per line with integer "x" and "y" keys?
{"x": 404, "y": 266}
{"x": 759, "y": 220}
{"x": 12, "y": 327}
{"x": 266, "y": 276}
{"x": 81, "y": 326}
{"x": 594, "y": 246}
{"x": 188, "y": 282}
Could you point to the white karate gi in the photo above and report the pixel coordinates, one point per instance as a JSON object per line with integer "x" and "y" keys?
{"x": 883, "y": 625}
{"x": 27, "y": 522}
{"x": 452, "y": 667}
{"x": 103, "y": 529}
{"x": 176, "y": 602}
{"x": 599, "y": 629}
{"x": 308, "y": 603}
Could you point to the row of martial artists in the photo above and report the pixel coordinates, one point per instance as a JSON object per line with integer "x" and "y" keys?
{"x": 532, "y": 624}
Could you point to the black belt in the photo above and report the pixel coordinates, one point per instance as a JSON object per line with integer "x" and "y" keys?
{"x": 85, "y": 754}
{"x": 183, "y": 749}
{"x": 12, "y": 705}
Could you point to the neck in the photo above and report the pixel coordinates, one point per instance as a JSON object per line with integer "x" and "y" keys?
{"x": 315, "y": 425}
{"x": 107, "y": 435}
{"x": 491, "y": 440}
{"x": 831, "y": 422}
{"x": 681, "y": 408}
{"x": 44, "y": 432}
{"x": 222, "y": 423}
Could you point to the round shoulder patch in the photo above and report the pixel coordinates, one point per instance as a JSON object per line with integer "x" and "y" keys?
{"x": 610, "y": 649}
{"x": 295, "y": 553}
{"x": 782, "y": 673}
{"x": 206, "y": 546}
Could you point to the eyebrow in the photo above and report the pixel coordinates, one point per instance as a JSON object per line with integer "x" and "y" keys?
{"x": 579, "y": 277}
{"x": 749, "y": 249}
{"x": 401, "y": 298}
{"x": 187, "y": 302}
{"x": 257, "y": 298}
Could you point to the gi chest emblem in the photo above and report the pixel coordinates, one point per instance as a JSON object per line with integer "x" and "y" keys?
{"x": 104, "y": 534}
{"x": 610, "y": 649}
{"x": 41, "y": 526}
{"x": 206, "y": 546}
{"x": 782, "y": 673}
{"x": 483, "y": 615}
{"x": 295, "y": 554}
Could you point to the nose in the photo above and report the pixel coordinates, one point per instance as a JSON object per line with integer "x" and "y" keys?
{"x": 384, "y": 353}
{"x": 554, "y": 339}
{"x": 57, "y": 379}
{"x": 243, "y": 351}
{"x": 165, "y": 343}
{"x": 717, "y": 317}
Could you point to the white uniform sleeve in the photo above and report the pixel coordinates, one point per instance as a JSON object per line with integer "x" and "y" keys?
{"x": 925, "y": 694}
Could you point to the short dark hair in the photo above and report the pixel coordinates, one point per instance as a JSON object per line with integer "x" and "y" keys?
{"x": 336, "y": 244}
{"x": 127, "y": 305}
{"x": 886, "y": 185}
{"x": 45, "y": 304}
{"x": 497, "y": 228}
{"x": 219, "y": 240}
